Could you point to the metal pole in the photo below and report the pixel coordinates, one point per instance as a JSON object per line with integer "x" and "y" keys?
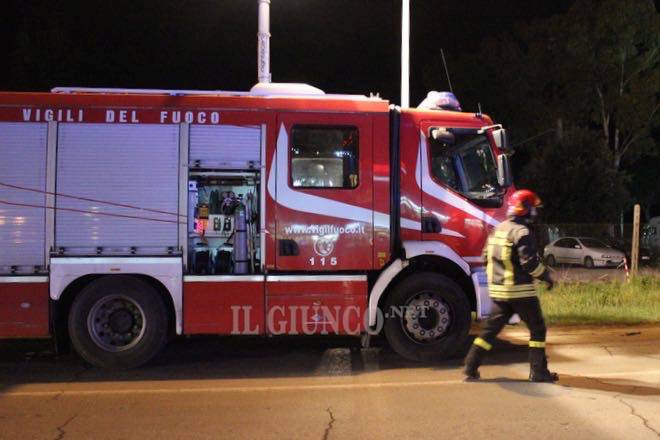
{"x": 263, "y": 42}
{"x": 635, "y": 243}
{"x": 405, "y": 54}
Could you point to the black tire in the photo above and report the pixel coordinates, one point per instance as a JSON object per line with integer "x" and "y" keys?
{"x": 118, "y": 322}
{"x": 589, "y": 262}
{"x": 439, "y": 344}
{"x": 550, "y": 260}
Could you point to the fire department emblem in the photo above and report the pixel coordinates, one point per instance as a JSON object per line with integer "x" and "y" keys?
{"x": 324, "y": 246}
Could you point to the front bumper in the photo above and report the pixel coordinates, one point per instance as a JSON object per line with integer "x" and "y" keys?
{"x": 608, "y": 263}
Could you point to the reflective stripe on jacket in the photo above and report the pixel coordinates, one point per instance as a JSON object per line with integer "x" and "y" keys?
{"x": 512, "y": 261}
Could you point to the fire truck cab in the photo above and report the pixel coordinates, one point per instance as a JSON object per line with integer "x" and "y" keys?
{"x": 129, "y": 216}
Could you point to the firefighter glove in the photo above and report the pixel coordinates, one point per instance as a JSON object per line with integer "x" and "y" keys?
{"x": 547, "y": 279}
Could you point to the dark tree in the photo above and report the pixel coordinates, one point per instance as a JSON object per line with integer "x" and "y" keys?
{"x": 582, "y": 84}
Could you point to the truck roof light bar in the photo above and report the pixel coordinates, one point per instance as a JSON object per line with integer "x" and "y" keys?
{"x": 440, "y": 101}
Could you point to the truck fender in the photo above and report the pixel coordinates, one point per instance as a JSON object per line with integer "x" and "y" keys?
{"x": 412, "y": 249}
{"x": 168, "y": 271}
{"x": 416, "y": 248}
{"x": 384, "y": 280}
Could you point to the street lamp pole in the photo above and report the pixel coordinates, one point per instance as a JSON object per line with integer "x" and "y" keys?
{"x": 263, "y": 38}
{"x": 405, "y": 54}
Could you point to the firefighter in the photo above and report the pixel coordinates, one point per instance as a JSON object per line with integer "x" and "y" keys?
{"x": 512, "y": 264}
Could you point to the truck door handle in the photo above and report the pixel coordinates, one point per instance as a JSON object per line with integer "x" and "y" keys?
{"x": 288, "y": 248}
{"x": 431, "y": 225}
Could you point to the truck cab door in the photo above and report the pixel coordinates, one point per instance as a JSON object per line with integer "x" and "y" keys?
{"x": 447, "y": 214}
{"x": 323, "y": 189}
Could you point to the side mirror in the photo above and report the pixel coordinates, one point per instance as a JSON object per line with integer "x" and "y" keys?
{"x": 503, "y": 171}
{"x": 577, "y": 246}
{"x": 501, "y": 139}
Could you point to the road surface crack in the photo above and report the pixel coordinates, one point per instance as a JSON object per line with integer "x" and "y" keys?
{"x": 636, "y": 414}
{"x": 326, "y": 434}
{"x": 60, "y": 429}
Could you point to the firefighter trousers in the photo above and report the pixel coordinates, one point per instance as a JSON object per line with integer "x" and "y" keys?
{"x": 529, "y": 310}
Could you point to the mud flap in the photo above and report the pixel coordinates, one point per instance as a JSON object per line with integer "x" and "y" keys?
{"x": 484, "y": 303}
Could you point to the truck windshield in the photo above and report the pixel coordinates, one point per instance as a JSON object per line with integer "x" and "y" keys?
{"x": 466, "y": 164}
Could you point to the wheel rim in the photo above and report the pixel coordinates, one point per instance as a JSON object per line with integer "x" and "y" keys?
{"x": 116, "y": 323}
{"x": 426, "y": 318}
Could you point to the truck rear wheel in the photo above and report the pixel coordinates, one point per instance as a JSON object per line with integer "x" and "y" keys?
{"x": 118, "y": 322}
{"x": 427, "y": 317}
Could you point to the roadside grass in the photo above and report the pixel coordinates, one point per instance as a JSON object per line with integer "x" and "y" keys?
{"x": 603, "y": 303}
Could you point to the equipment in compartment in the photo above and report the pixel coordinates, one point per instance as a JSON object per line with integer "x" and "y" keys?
{"x": 219, "y": 225}
{"x": 240, "y": 240}
{"x": 222, "y": 260}
{"x": 200, "y": 259}
{"x": 224, "y": 238}
{"x": 192, "y": 205}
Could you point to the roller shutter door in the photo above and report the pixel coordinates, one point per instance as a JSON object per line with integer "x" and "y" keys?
{"x": 117, "y": 188}
{"x": 225, "y": 146}
{"x": 22, "y": 164}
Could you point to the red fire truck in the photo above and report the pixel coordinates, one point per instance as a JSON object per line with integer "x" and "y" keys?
{"x": 131, "y": 216}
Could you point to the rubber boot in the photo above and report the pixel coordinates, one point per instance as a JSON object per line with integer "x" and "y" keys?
{"x": 472, "y": 362}
{"x": 538, "y": 367}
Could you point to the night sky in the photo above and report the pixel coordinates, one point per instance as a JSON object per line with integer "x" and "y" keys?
{"x": 341, "y": 46}
{"x": 353, "y": 46}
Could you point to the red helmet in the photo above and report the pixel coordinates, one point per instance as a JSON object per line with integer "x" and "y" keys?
{"x": 521, "y": 203}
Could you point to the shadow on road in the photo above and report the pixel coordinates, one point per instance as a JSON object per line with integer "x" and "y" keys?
{"x": 610, "y": 385}
{"x": 199, "y": 358}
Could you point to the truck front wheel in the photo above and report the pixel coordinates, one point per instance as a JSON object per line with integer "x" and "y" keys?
{"x": 427, "y": 317}
{"x": 118, "y": 322}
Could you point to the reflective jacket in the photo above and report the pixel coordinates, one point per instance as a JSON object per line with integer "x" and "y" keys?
{"x": 512, "y": 261}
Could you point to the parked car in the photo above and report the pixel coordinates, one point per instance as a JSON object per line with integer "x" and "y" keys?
{"x": 584, "y": 251}
{"x": 645, "y": 255}
{"x": 650, "y": 236}
{"x": 625, "y": 246}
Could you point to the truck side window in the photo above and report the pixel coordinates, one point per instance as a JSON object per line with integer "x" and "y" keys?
{"x": 465, "y": 163}
{"x": 324, "y": 156}
{"x": 443, "y": 166}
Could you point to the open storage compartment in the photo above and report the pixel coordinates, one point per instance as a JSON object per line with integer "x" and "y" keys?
{"x": 224, "y": 190}
{"x": 223, "y": 228}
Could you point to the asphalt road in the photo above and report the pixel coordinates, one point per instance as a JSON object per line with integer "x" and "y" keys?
{"x": 327, "y": 389}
